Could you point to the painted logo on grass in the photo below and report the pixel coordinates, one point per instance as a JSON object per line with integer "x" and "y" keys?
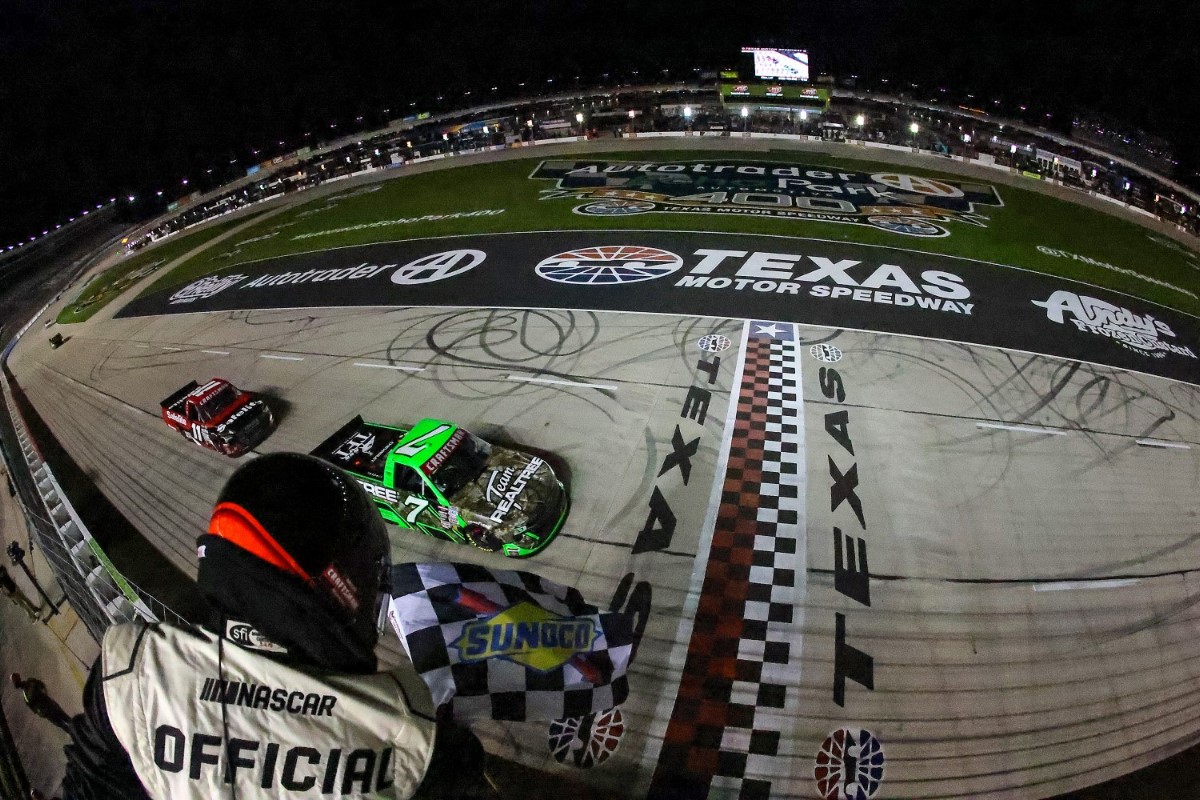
{"x": 614, "y": 208}
{"x": 849, "y": 765}
{"x": 909, "y": 226}
{"x": 609, "y": 265}
{"x": 588, "y": 740}
{"x": 914, "y": 185}
{"x": 902, "y": 204}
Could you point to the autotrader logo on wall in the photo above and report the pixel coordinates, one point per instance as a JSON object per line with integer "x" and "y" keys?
{"x": 1139, "y": 333}
{"x": 892, "y": 201}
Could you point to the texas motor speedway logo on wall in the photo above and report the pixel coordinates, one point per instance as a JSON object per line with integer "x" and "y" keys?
{"x": 892, "y": 201}
{"x": 1140, "y": 333}
{"x": 763, "y": 272}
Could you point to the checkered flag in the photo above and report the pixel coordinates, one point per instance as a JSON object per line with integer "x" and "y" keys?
{"x": 508, "y": 645}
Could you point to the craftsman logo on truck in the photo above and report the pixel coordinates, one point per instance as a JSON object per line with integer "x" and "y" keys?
{"x": 438, "y": 458}
{"x": 895, "y": 202}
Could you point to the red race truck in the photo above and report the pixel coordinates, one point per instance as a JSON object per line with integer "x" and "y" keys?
{"x": 219, "y": 416}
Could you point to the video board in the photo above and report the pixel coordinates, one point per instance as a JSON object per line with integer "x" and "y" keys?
{"x": 777, "y": 64}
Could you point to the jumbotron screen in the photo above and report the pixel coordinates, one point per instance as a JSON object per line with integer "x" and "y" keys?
{"x": 782, "y": 65}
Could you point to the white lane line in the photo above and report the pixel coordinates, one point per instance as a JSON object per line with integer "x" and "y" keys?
{"x": 283, "y": 358}
{"x": 531, "y": 379}
{"x": 174, "y": 349}
{"x": 1066, "y": 586}
{"x": 1021, "y": 428}
{"x": 143, "y": 346}
{"x": 400, "y": 367}
{"x": 216, "y": 352}
{"x": 1156, "y": 443}
{"x": 839, "y": 328}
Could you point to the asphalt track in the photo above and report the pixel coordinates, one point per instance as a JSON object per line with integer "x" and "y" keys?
{"x": 748, "y": 277}
{"x": 976, "y": 558}
{"x": 1031, "y": 619}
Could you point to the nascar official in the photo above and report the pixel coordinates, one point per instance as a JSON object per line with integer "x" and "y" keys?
{"x": 278, "y": 695}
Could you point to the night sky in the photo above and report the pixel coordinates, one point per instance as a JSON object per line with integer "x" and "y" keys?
{"x": 125, "y": 96}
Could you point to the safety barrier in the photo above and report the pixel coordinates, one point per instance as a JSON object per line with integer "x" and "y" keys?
{"x": 96, "y": 589}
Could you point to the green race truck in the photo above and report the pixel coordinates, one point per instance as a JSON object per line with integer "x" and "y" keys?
{"x": 445, "y": 482}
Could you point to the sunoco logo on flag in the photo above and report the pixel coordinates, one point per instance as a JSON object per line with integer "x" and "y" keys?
{"x": 528, "y": 635}
{"x": 509, "y": 645}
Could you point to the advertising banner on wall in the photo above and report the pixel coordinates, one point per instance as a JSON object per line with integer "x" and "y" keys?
{"x": 774, "y": 91}
{"x": 807, "y": 281}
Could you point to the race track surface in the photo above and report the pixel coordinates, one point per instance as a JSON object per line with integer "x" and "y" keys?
{"x": 896, "y": 524}
{"x": 1016, "y": 619}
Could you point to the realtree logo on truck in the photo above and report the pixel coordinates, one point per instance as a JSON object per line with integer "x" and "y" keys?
{"x": 893, "y": 201}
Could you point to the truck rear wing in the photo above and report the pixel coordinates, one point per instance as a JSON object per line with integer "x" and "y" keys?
{"x": 360, "y": 447}
{"x": 178, "y": 396}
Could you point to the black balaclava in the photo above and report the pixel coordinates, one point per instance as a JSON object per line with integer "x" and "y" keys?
{"x": 297, "y": 550}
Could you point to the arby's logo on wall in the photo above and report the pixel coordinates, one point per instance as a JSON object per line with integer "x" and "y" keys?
{"x": 1141, "y": 333}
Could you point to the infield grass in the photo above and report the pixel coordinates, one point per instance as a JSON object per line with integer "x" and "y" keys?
{"x": 116, "y": 279}
{"x": 1163, "y": 270}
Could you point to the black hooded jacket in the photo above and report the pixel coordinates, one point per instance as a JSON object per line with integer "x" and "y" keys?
{"x": 237, "y": 586}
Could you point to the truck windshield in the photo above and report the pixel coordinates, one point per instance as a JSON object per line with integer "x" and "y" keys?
{"x": 463, "y": 466}
{"x": 217, "y": 402}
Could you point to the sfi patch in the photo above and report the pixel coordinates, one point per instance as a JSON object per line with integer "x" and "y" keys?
{"x": 714, "y": 343}
{"x": 825, "y": 352}
{"x": 609, "y": 265}
{"x": 246, "y": 635}
{"x": 849, "y": 765}
{"x": 587, "y": 741}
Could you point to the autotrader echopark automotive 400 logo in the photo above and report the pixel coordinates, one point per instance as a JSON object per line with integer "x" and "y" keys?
{"x": 1138, "y": 332}
{"x": 892, "y": 201}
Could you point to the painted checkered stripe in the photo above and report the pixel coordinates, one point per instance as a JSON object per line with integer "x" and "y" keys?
{"x": 729, "y": 730}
